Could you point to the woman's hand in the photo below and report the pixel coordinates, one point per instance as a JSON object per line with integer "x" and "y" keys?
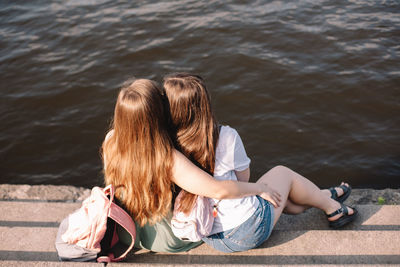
{"x": 270, "y": 195}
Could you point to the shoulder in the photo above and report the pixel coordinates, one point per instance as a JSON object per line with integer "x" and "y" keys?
{"x": 109, "y": 134}
{"x": 227, "y": 132}
{"x": 180, "y": 164}
{"x": 227, "y": 139}
{"x": 228, "y": 135}
{"x": 177, "y": 156}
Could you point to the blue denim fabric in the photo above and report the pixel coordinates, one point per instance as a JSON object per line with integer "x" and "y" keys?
{"x": 250, "y": 234}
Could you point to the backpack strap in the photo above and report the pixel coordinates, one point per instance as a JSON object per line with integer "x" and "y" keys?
{"x": 125, "y": 221}
{"x": 109, "y": 191}
{"x": 122, "y": 218}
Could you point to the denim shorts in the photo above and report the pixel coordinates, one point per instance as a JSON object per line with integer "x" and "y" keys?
{"x": 250, "y": 234}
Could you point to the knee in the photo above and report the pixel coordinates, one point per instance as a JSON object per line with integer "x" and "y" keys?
{"x": 280, "y": 169}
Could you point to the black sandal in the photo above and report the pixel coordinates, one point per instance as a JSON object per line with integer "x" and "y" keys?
{"x": 344, "y": 219}
{"x": 346, "y": 193}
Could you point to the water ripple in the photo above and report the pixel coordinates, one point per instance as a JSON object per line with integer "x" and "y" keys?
{"x": 312, "y": 84}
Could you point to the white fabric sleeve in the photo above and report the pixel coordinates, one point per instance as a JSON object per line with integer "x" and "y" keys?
{"x": 240, "y": 159}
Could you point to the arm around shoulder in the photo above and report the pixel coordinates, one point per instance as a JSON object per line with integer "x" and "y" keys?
{"x": 194, "y": 180}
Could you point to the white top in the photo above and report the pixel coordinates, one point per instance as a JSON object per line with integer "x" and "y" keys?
{"x": 230, "y": 156}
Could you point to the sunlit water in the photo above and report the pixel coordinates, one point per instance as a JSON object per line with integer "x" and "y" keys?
{"x": 313, "y": 85}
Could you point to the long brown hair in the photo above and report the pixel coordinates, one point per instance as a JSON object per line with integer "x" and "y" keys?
{"x": 138, "y": 152}
{"x": 195, "y": 128}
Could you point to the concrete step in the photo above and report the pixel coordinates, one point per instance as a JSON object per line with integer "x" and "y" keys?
{"x": 28, "y": 231}
{"x": 124, "y": 264}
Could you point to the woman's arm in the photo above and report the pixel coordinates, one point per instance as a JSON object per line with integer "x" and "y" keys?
{"x": 194, "y": 180}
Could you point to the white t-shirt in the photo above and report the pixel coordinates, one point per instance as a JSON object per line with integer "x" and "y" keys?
{"x": 230, "y": 156}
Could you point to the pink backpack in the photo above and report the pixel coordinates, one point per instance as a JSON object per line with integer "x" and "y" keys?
{"x": 90, "y": 232}
{"x": 195, "y": 225}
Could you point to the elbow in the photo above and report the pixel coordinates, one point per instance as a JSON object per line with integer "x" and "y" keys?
{"x": 222, "y": 193}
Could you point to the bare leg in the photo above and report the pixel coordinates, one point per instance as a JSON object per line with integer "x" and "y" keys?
{"x": 294, "y": 208}
{"x": 299, "y": 190}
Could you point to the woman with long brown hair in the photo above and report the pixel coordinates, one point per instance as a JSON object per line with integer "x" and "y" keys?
{"x": 141, "y": 162}
{"x": 242, "y": 223}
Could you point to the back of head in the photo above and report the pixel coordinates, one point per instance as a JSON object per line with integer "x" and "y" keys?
{"x": 138, "y": 153}
{"x": 188, "y": 98}
{"x": 139, "y": 111}
{"x": 194, "y": 123}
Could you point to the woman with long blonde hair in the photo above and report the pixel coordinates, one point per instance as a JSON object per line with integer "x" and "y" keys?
{"x": 242, "y": 223}
{"x": 141, "y": 162}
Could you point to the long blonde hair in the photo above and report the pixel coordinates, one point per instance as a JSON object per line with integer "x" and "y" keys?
{"x": 194, "y": 125}
{"x": 137, "y": 152}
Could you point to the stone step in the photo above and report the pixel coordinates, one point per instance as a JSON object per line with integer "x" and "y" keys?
{"x": 28, "y": 231}
{"x": 123, "y": 264}
{"x": 381, "y": 216}
{"x": 46, "y": 214}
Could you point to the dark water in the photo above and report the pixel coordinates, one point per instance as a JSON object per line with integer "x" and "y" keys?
{"x": 313, "y": 85}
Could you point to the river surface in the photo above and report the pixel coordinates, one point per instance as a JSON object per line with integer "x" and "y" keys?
{"x": 313, "y": 85}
